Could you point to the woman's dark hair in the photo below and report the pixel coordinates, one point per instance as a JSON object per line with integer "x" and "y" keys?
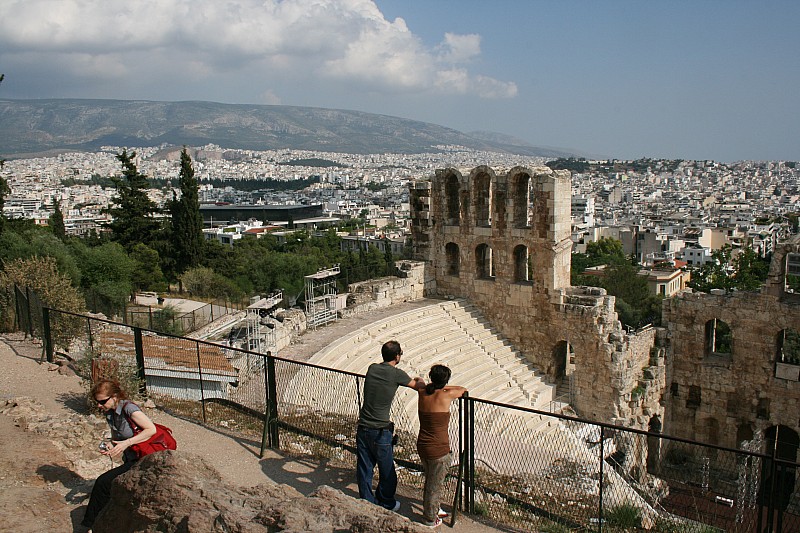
{"x": 439, "y": 376}
{"x": 110, "y": 387}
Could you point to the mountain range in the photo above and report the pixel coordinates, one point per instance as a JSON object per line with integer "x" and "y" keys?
{"x": 31, "y": 128}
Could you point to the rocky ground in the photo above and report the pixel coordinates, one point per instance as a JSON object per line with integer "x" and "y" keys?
{"x": 48, "y": 461}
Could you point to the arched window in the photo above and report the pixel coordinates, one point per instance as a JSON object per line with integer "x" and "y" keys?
{"x": 482, "y": 200}
{"x": 520, "y": 195}
{"x": 719, "y": 339}
{"x": 563, "y": 361}
{"x": 789, "y": 347}
{"x": 792, "y": 277}
{"x": 451, "y": 192}
{"x": 484, "y": 267}
{"x": 522, "y": 264}
{"x": 453, "y": 259}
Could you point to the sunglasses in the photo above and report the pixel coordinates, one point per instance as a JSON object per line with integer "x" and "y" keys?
{"x": 102, "y": 402}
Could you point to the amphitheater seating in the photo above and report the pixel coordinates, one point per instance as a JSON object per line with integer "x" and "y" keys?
{"x": 456, "y": 334}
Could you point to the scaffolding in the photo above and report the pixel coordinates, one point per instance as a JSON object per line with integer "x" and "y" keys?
{"x": 321, "y": 297}
{"x": 261, "y": 323}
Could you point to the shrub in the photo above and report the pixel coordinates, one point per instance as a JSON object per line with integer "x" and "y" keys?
{"x": 625, "y": 516}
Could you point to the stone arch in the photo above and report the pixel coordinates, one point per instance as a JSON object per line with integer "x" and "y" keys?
{"x": 781, "y": 442}
{"x": 482, "y": 198}
{"x": 452, "y": 188}
{"x": 744, "y": 433}
{"x": 718, "y": 338}
{"x": 562, "y": 360}
{"x": 654, "y": 444}
{"x": 522, "y": 265}
{"x": 453, "y": 259}
{"x": 521, "y": 200}
{"x": 484, "y": 262}
{"x": 712, "y": 431}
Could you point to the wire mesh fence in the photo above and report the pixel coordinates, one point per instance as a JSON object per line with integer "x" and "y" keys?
{"x": 526, "y": 469}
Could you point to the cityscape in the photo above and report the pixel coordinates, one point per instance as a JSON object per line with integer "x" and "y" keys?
{"x": 224, "y": 216}
{"x": 664, "y": 212}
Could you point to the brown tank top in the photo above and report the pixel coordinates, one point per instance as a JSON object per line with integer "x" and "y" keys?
{"x": 433, "y": 441}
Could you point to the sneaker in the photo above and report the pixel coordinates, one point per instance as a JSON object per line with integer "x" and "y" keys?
{"x": 396, "y": 506}
{"x": 435, "y": 523}
{"x": 442, "y": 513}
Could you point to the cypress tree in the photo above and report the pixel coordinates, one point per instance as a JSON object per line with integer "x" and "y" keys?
{"x": 187, "y": 224}
{"x": 56, "y": 221}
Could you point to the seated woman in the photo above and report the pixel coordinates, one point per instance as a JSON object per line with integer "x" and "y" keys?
{"x": 111, "y": 400}
{"x": 433, "y": 442}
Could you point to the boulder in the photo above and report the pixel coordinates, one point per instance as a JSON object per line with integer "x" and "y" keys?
{"x": 175, "y": 492}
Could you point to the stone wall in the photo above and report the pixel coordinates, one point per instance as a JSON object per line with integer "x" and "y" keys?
{"x": 501, "y": 239}
{"x": 725, "y": 398}
{"x": 409, "y": 285}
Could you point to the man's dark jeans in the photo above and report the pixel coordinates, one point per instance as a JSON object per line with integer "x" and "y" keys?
{"x": 374, "y": 448}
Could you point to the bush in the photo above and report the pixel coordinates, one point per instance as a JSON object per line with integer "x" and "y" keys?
{"x": 41, "y": 275}
{"x": 625, "y": 516}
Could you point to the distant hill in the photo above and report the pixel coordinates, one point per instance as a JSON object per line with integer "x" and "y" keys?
{"x": 34, "y": 127}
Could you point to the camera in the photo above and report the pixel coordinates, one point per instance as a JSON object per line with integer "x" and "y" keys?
{"x": 104, "y": 446}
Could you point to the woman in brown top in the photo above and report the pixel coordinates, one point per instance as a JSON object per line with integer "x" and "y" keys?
{"x": 433, "y": 442}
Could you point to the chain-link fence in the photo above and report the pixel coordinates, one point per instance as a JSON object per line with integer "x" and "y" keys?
{"x": 526, "y": 469}
{"x": 169, "y": 320}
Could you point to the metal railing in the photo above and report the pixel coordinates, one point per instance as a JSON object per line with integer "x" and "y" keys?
{"x": 147, "y": 316}
{"x": 523, "y": 468}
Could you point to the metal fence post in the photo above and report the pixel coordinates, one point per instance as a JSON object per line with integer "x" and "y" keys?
{"x": 202, "y": 389}
{"x": 48, "y": 340}
{"x": 272, "y": 384}
{"x": 469, "y": 452}
{"x": 89, "y": 333}
{"x": 139, "y": 346}
{"x": 28, "y": 301}
{"x": 600, "y": 501}
{"x": 270, "y": 435}
{"x": 265, "y": 435}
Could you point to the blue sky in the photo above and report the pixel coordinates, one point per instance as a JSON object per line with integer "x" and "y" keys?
{"x": 695, "y": 79}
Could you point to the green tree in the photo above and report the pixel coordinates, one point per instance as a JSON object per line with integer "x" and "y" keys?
{"x": 187, "y": 223}
{"x": 605, "y": 250}
{"x": 24, "y": 240}
{"x": 146, "y": 273}
{"x": 203, "y": 282}
{"x": 751, "y": 271}
{"x": 56, "y": 221}
{"x": 132, "y": 209}
{"x": 106, "y": 276}
{"x": 728, "y": 271}
{"x": 635, "y": 304}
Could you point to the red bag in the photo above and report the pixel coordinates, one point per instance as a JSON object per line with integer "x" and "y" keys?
{"x": 162, "y": 440}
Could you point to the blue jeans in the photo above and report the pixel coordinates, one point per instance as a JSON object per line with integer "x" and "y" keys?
{"x": 374, "y": 447}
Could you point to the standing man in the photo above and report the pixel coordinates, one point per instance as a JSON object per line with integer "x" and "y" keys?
{"x": 375, "y": 431}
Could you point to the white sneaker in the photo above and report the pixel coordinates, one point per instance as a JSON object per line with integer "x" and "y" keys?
{"x": 442, "y": 513}
{"x": 396, "y": 506}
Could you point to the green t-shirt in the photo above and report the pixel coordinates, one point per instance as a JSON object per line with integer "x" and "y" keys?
{"x": 380, "y": 387}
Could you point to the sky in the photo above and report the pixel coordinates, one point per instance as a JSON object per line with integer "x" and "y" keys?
{"x": 694, "y": 79}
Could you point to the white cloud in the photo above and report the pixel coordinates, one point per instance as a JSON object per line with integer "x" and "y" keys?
{"x": 460, "y": 48}
{"x": 257, "y": 40}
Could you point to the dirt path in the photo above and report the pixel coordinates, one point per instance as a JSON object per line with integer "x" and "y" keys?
{"x": 40, "y": 491}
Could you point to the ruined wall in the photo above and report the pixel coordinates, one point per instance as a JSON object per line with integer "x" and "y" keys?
{"x": 501, "y": 239}
{"x": 409, "y": 285}
{"x": 725, "y": 398}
